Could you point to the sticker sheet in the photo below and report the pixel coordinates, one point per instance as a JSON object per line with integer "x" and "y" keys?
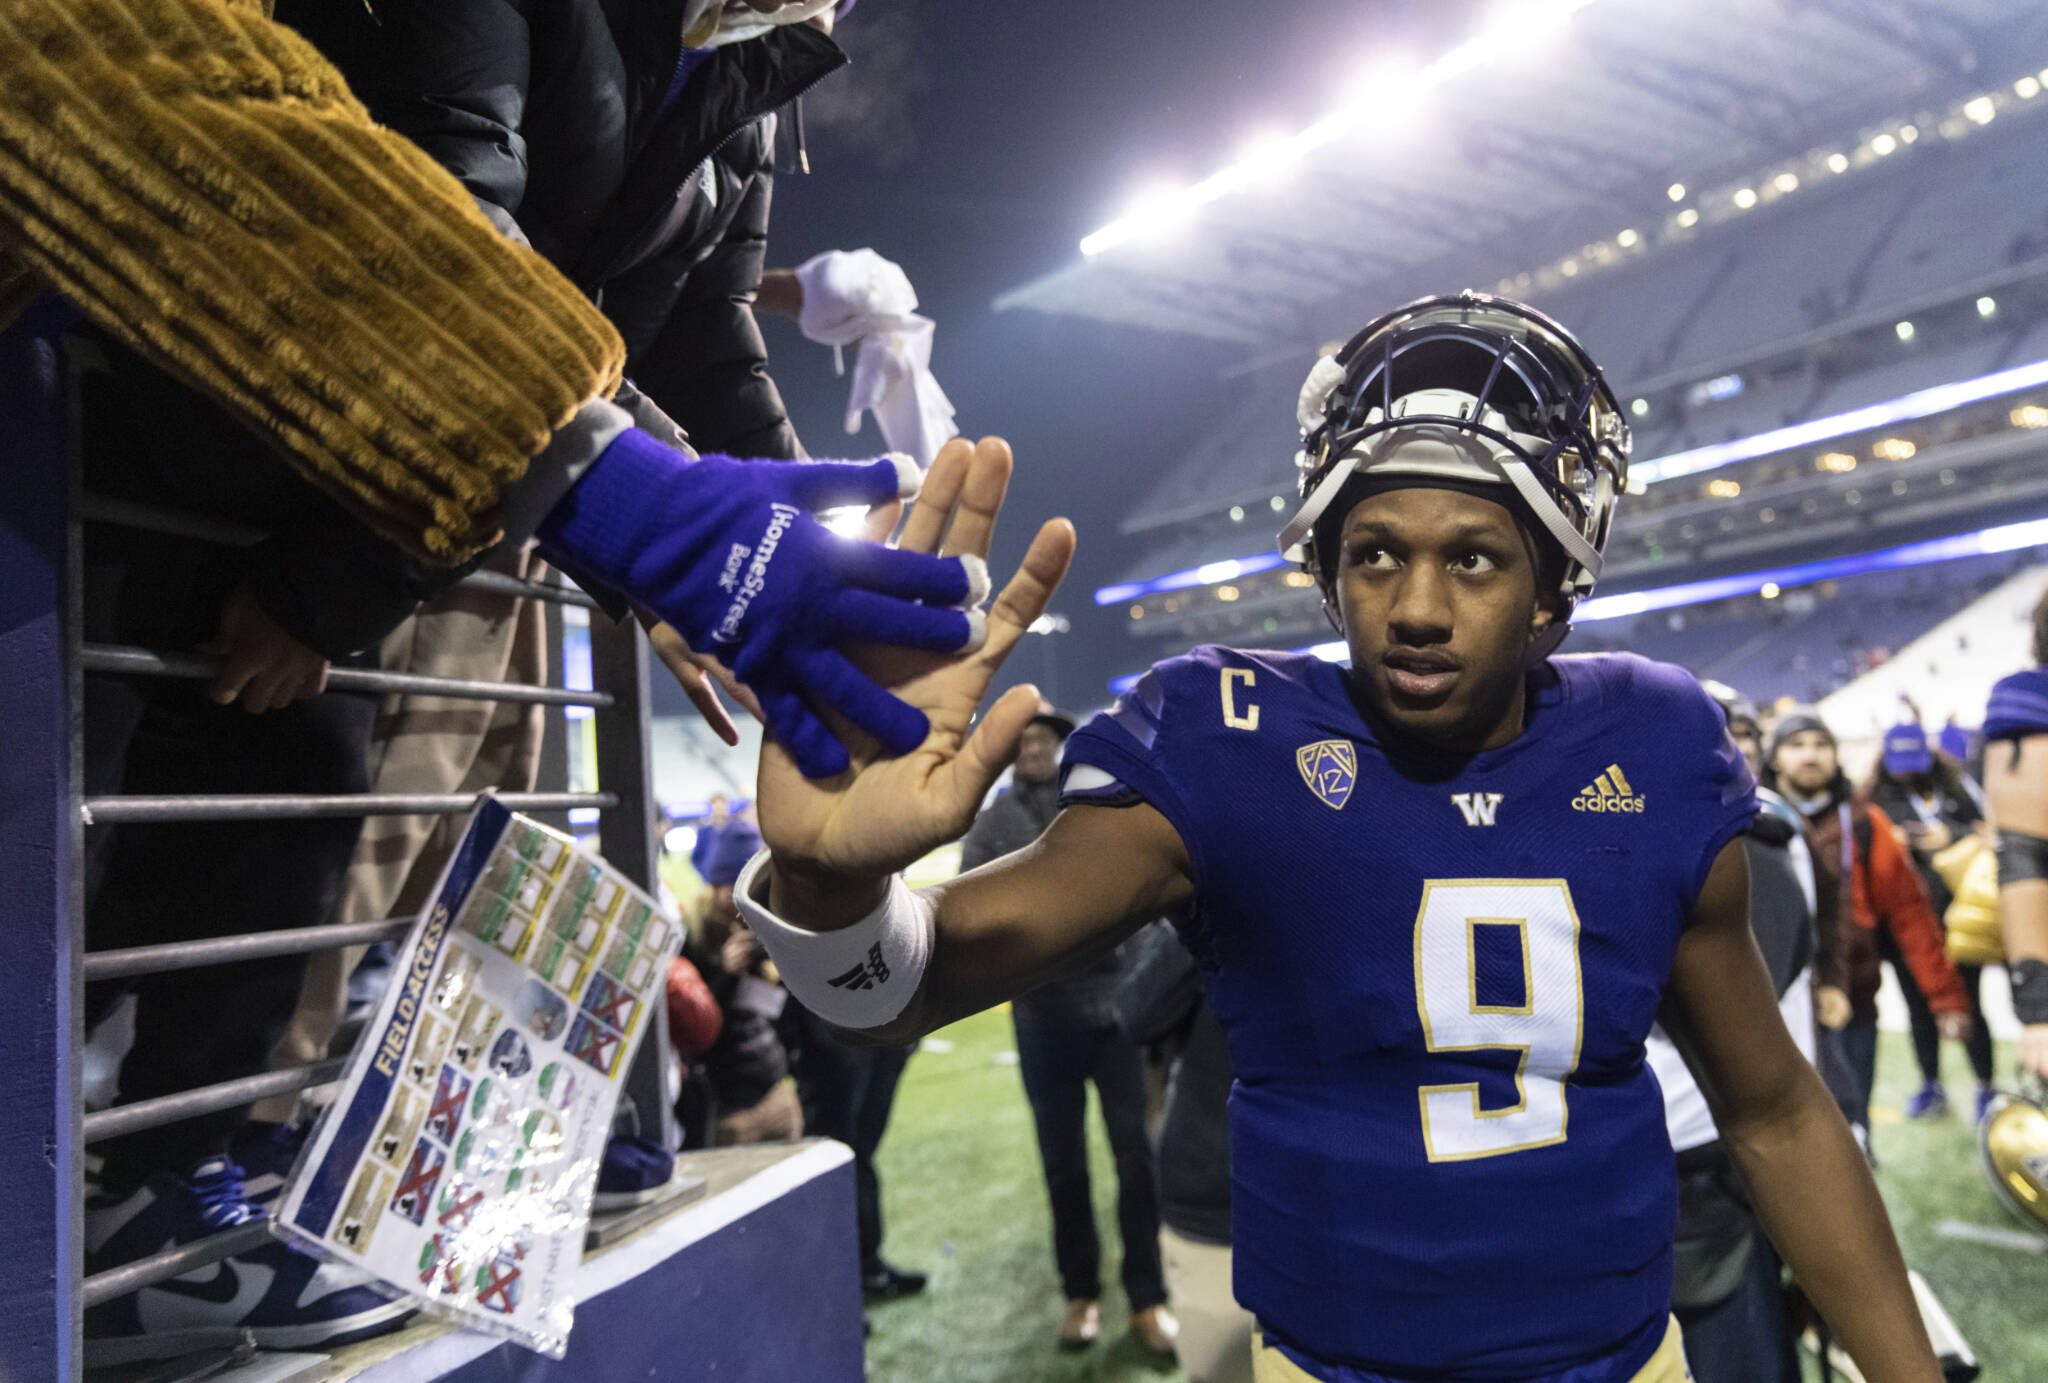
{"x": 458, "y": 1162}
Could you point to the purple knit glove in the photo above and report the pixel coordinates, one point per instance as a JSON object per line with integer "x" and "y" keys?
{"x": 728, "y": 553}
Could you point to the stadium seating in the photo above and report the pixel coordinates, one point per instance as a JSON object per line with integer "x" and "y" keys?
{"x": 1949, "y": 668}
{"x": 1939, "y": 219}
{"x": 1812, "y": 641}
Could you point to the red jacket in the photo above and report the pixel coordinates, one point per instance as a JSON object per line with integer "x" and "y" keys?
{"x": 1884, "y": 889}
{"x": 694, "y": 1019}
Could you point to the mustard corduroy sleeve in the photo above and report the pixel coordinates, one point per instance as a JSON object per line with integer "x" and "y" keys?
{"x": 199, "y": 180}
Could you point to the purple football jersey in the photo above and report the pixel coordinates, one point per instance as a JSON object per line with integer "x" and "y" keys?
{"x": 1436, "y": 974}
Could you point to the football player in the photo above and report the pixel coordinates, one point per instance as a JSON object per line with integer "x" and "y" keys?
{"x": 1440, "y": 898}
{"x": 2016, "y": 782}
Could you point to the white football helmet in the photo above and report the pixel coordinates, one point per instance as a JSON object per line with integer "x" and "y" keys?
{"x": 1465, "y": 391}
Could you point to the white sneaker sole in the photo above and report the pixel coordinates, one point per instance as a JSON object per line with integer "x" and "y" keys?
{"x": 105, "y": 1352}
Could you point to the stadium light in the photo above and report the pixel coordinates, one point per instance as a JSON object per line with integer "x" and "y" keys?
{"x": 1905, "y": 331}
{"x": 1628, "y": 239}
{"x": 1383, "y": 103}
{"x": 1517, "y": 30}
{"x": 1981, "y": 111}
{"x": 1838, "y": 163}
{"x": 848, "y": 522}
{"x": 1640, "y": 407}
{"x": 1985, "y": 542}
{"x": 1987, "y": 306}
{"x": 1925, "y": 403}
{"x": 1909, "y": 134}
{"x": 1884, "y": 146}
{"x": 1676, "y": 192}
{"x": 1786, "y": 182}
{"x": 2027, "y": 88}
{"x": 1268, "y": 160}
{"x": 1745, "y": 198}
{"x": 1688, "y": 218}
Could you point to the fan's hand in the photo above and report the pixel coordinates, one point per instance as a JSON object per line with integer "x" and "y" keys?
{"x": 692, "y": 674}
{"x": 729, "y": 553}
{"x": 884, "y": 813}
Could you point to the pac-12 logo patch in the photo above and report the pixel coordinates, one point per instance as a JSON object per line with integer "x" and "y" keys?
{"x": 1330, "y": 768}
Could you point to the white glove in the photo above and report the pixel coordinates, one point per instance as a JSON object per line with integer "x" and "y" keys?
{"x": 857, "y": 297}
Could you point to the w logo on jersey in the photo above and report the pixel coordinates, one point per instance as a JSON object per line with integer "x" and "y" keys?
{"x": 1480, "y": 808}
{"x": 1330, "y": 768}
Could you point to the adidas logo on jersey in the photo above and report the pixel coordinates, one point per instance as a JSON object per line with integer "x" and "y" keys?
{"x": 1610, "y": 792}
{"x": 1479, "y": 808}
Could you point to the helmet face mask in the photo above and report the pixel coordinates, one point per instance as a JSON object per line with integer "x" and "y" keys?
{"x": 1469, "y": 391}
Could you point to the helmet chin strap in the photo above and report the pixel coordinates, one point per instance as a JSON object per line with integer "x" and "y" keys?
{"x": 1546, "y": 510}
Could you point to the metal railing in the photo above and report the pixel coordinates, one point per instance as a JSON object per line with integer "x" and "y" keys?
{"x": 142, "y": 662}
{"x": 122, "y": 513}
{"x": 625, "y": 820}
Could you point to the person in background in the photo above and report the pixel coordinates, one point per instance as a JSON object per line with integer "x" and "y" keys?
{"x": 1743, "y": 725}
{"x": 1161, "y": 1005}
{"x": 1066, "y": 1039}
{"x": 847, "y": 1093}
{"x": 694, "y": 1023}
{"x": 1932, "y": 803}
{"x": 1727, "y": 1292}
{"x": 747, "y": 1064}
{"x": 1954, "y": 740}
{"x": 638, "y": 157}
{"x": 442, "y": 388}
{"x": 1877, "y": 888}
{"x": 2016, "y": 781}
{"x": 707, "y": 833}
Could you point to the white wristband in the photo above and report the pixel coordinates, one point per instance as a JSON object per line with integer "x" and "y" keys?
{"x": 861, "y": 976}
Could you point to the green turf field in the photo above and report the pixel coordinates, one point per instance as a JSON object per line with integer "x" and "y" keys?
{"x": 964, "y": 1200}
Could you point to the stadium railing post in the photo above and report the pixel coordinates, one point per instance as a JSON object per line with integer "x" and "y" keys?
{"x": 619, "y": 667}
{"x": 40, "y": 842}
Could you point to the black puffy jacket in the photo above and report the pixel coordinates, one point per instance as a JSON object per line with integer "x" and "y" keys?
{"x": 552, "y": 113}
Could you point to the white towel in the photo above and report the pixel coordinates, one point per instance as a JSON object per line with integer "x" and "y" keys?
{"x": 857, "y": 297}
{"x": 709, "y": 24}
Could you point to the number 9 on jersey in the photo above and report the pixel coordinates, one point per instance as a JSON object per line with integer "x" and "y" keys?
{"x": 1497, "y": 969}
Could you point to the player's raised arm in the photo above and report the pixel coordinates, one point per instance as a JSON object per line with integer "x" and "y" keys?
{"x": 1812, "y": 1187}
{"x": 853, "y": 942}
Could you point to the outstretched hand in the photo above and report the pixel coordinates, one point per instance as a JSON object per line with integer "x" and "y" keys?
{"x": 883, "y": 813}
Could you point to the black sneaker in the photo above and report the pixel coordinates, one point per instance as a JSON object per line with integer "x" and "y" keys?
{"x": 274, "y": 1295}
{"x": 883, "y": 1281}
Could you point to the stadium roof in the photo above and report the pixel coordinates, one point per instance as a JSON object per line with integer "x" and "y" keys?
{"x": 1567, "y": 135}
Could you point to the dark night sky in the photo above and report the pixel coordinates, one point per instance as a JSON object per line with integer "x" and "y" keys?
{"x": 976, "y": 142}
